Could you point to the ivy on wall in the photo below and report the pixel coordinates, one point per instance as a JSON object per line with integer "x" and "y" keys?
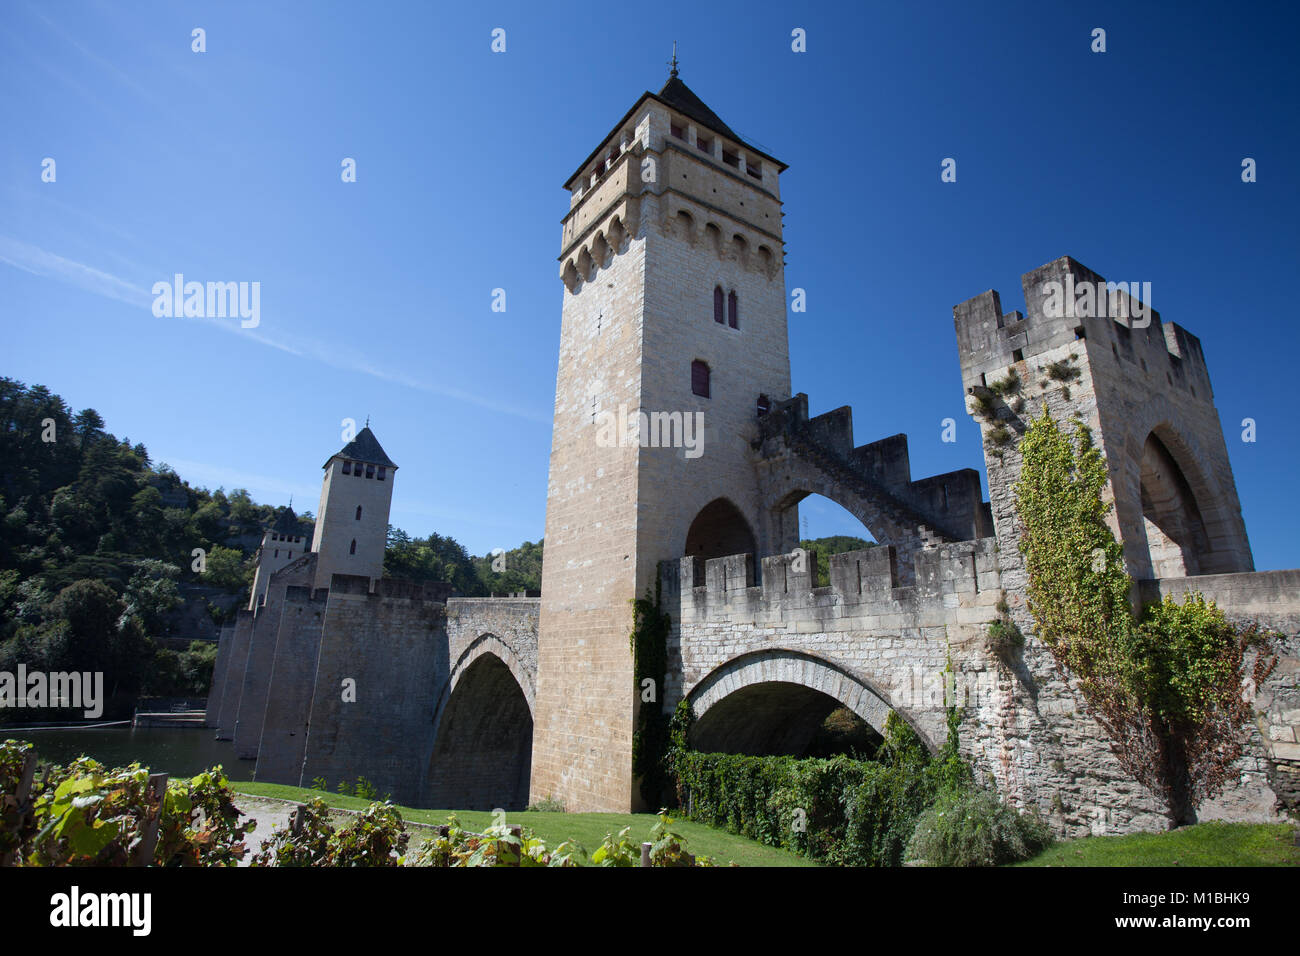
{"x": 649, "y": 641}
{"x": 1167, "y": 686}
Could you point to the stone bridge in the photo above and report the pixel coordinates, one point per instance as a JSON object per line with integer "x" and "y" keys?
{"x": 763, "y": 665}
{"x": 428, "y": 697}
{"x": 432, "y": 698}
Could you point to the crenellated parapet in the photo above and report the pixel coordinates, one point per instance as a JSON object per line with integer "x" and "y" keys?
{"x": 1067, "y": 302}
{"x": 864, "y": 586}
{"x": 868, "y": 640}
{"x": 1096, "y": 350}
{"x": 390, "y": 588}
{"x": 799, "y": 455}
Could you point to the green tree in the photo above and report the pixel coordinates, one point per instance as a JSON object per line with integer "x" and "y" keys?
{"x": 228, "y": 568}
{"x": 151, "y": 593}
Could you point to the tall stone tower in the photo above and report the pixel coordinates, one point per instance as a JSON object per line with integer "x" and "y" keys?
{"x": 672, "y": 337}
{"x": 352, "y": 522}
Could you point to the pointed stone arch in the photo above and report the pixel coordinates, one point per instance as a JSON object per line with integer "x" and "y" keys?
{"x": 485, "y": 644}
{"x": 1170, "y": 510}
{"x": 718, "y": 530}
{"x": 482, "y": 731}
{"x": 790, "y": 479}
{"x": 1175, "y": 533}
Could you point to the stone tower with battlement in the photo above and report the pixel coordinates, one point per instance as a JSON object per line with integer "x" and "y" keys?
{"x": 352, "y": 521}
{"x": 1092, "y": 349}
{"x": 285, "y": 540}
{"x": 673, "y": 334}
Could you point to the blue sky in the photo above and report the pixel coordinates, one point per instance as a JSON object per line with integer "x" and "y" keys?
{"x": 376, "y": 295}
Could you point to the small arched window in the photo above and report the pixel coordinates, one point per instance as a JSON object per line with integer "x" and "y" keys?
{"x": 277, "y": 552}
{"x": 700, "y": 378}
{"x": 717, "y": 304}
{"x": 353, "y": 549}
{"x": 358, "y": 513}
{"x": 764, "y": 405}
{"x": 733, "y": 310}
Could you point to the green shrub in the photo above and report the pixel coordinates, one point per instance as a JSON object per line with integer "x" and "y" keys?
{"x": 999, "y": 436}
{"x": 976, "y": 828}
{"x": 843, "y": 811}
{"x": 1004, "y": 638}
{"x": 1062, "y": 371}
{"x": 1007, "y": 386}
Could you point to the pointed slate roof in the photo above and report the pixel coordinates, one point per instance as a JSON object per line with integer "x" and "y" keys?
{"x": 680, "y": 97}
{"x": 365, "y": 447}
{"x": 288, "y": 524}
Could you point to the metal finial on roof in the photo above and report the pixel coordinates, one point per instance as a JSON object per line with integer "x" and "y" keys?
{"x": 673, "y": 64}
{"x": 367, "y": 421}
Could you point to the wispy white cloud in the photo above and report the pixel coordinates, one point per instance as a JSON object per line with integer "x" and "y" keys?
{"x": 110, "y": 68}
{"x": 38, "y": 261}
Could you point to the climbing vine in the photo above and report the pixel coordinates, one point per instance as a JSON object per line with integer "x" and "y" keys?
{"x": 1166, "y": 686}
{"x": 649, "y": 643}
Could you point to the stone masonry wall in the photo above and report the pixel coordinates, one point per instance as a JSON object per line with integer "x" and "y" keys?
{"x": 1271, "y": 598}
{"x": 874, "y": 646}
{"x": 1049, "y": 751}
{"x": 220, "y": 668}
{"x": 233, "y": 683}
{"x": 291, "y": 686}
{"x": 392, "y": 645}
{"x": 261, "y": 655}
{"x": 640, "y": 257}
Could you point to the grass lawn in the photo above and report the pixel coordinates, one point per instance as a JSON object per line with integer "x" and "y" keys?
{"x": 1205, "y": 844}
{"x": 588, "y": 829}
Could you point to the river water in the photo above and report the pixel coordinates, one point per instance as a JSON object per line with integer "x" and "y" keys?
{"x": 180, "y": 752}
